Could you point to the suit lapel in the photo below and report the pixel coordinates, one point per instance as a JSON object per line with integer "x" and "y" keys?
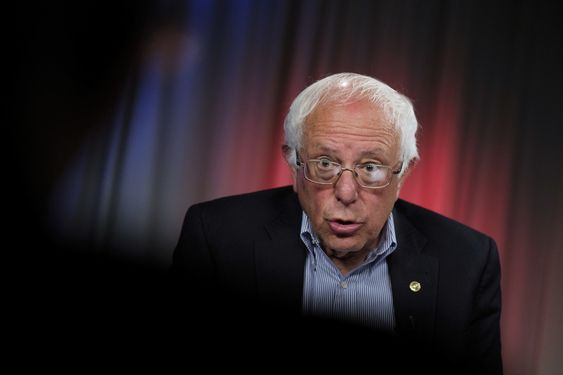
{"x": 280, "y": 259}
{"x": 410, "y": 268}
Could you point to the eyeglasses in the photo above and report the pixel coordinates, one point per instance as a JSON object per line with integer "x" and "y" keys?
{"x": 370, "y": 175}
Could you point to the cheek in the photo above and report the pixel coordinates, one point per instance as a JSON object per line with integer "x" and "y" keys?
{"x": 294, "y": 179}
{"x": 313, "y": 201}
{"x": 378, "y": 207}
{"x": 388, "y": 201}
{"x": 394, "y": 191}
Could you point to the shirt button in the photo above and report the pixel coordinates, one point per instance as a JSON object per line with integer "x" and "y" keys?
{"x": 344, "y": 284}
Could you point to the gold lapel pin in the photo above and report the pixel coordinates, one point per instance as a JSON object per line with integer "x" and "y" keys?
{"x": 415, "y": 286}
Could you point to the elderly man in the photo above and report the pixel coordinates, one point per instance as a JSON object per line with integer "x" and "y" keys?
{"x": 340, "y": 246}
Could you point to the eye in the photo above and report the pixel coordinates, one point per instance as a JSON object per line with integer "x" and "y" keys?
{"x": 325, "y": 164}
{"x": 371, "y": 167}
{"x": 372, "y": 172}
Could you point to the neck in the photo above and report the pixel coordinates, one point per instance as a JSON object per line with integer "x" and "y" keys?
{"x": 346, "y": 261}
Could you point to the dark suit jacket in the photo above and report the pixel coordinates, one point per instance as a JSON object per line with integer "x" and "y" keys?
{"x": 248, "y": 247}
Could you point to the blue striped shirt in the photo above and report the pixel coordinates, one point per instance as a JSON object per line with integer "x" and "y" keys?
{"x": 363, "y": 296}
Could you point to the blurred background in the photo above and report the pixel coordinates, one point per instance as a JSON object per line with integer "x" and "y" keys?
{"x": 129, "y": 112}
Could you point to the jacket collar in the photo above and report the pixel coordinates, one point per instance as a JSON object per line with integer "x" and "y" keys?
{"x": 280, "y": 259}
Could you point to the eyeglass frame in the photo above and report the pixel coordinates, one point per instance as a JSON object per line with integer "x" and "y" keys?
{"x": 342, "y": 169}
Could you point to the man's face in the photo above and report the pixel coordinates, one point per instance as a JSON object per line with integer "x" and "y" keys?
{"x": 347, "y": 217}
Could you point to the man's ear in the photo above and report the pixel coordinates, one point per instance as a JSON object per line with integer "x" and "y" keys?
{"x": 405, "y": 174}
{"x": 288, "y": 152}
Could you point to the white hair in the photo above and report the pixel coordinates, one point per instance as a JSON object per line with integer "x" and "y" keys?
{"x": 342, "y": 88}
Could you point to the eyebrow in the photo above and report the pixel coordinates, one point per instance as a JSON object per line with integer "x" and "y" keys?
{"x": 377, "y": 152}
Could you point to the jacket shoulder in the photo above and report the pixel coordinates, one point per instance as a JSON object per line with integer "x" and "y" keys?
{"x": 437, "y": 226}
{"x": 241, "y": 203}
{"x": 249, "y": 209}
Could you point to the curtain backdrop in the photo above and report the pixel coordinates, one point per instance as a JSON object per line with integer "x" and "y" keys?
{"x": 134, "y": 112}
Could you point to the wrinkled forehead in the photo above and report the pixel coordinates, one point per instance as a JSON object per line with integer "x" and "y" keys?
{"x": 350, "y": 109}
{"x": 358, "y": 126}
{"x": 360, "y": 116}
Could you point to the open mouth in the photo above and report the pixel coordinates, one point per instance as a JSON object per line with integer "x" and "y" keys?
{"x": 344, "y": 227}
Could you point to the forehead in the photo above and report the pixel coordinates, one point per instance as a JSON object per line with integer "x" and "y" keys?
{"x": 359, "y": 125}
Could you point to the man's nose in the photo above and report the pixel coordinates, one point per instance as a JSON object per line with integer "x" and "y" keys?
{"x": 346, "y": 187}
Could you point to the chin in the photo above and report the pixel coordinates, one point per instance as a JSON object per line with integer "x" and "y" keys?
{"x": 343, "y": 244}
